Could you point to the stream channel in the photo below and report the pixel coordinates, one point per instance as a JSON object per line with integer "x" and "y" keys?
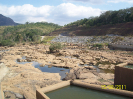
{"x": 46, "y": 68}
{"x": 63, "y": 71}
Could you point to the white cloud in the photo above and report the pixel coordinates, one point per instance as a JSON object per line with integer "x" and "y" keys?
{"x": 61, "y": 14}
{"x": 90, "y": 1}
{"x": 118, "y": 1}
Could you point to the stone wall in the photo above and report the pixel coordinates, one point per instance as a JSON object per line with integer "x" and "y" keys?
{"x": 124, "y": 76}
{"x": 40, "y": 93}
{"x": 120, "y": 47}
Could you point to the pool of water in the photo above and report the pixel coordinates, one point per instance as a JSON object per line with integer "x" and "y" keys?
{"x": 46, "y": 68}
{"x": 50, "y": 69}
{"x": 74, "y": 92}
{"x": 104, "y": 70}
{"x": 99, "y": 70}
{"x": 129, "y": 66}
{"x": 5, "y": 50}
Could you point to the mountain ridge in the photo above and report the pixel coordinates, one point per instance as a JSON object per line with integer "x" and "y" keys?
{"x": 6, "y": 21}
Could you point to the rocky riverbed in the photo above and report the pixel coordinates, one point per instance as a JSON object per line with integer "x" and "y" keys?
{"x": 121, "y": 40}
{"x": 24, "y": 79}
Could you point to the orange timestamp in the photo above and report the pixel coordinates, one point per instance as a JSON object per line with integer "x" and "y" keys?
{"x": 113, "y": 87}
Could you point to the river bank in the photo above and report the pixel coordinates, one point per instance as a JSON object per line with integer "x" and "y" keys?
{"x": 25, "y": 78}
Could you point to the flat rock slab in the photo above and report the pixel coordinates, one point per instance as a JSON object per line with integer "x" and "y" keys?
{"x": 88, "y": 75}
{"x": 106, "y": 76}
{"x": 3, "y": 71}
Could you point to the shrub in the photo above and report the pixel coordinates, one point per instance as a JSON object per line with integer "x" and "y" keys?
{"x": 55, "y": 46}
{"x": 7, "y": 43}
{"x": 47, "y": 39}
{"x": 117, "y": 39}
{"x": 98, "y": 45}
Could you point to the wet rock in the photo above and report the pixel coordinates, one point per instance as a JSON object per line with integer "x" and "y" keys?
{"x": 56, "y": 61}
{"x": 101, "y": 66}
{"x": 28, "y": 60}
{"x": 106, "y": 76}
{"x": 90, "y": 67}
{"x": 93, "y": 62}
{"x": 76, "y": 55}
{"x": 112, "y": 67}
{"x": 70, "y": 76}
{"x": 88, "y": 75}
{"x": 24, "y": 75}
{"x": 1, "y": 56}
{"x": 49, "y": 66}
{"x": 75, "y": 73}
{"x": 62, "y": 70}
{"x": 12, "y": 95}
{"x": 18, "y": 60}
{"x": 122, "y": 64}
{"x": 42, "y": 65}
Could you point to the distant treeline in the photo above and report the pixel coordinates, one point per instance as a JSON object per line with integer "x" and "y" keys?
{"x": 28, "y": 32}
{"x": 108, "y": 17}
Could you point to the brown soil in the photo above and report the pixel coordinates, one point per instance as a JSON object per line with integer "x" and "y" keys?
{"x": 124, "y": 29}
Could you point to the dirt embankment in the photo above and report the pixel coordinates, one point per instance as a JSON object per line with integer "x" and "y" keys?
{"x": 124, "y": 29}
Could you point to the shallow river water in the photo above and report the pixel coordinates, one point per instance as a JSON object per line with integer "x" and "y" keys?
{"x": 46, "y": 68}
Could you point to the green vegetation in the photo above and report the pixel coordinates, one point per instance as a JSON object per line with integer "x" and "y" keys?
{"x": 29, "y": 32}
{"x": 7, "y": 43}
{"x": 55, "y": 47}
{"x": 99, "y": 45}
{"x": 47, "y": 39}
{"x": 108, "y": 17}
{"x": 117, "y": 39}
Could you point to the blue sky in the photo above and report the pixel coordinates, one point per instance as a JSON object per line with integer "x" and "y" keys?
{"x": 58, "y": 11}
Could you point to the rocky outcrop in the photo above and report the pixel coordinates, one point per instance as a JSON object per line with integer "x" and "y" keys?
{"x": 3, "y": 71}
{"x": 13, "y": 95}
{"x": 122, "y": 64}
{"x": 75, "y": 73}
{"x": 24, "y": 79}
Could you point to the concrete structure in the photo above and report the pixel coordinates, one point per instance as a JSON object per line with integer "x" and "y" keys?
{"x": 1, "y": 93}
{"x": 124, "y": 76}
{"x": 120, "y": 47}
{"x": 40, "y": 93}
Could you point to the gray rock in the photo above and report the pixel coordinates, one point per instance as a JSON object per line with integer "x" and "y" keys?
{"x": 1, "y": 56}
{"x": 13, "y": 95}
{"x": 75, "y": 73}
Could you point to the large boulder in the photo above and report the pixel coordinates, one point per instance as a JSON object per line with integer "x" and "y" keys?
{"x": 106, "y": 76}
{"x": 101, "y": 66}
{"x": 90, "y": 67}
{"x": 87, "y": 75}
{"x": 76, "y": 73}
{"x": 122, "y": 64}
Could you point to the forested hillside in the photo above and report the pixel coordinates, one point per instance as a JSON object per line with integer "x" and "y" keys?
{"x": 108, "y": 17}
{"x": 110, "y": 22}
{"x": 29, "y": 32}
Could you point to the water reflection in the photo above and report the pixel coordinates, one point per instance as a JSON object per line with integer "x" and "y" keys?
{"x": 46, "y": 68}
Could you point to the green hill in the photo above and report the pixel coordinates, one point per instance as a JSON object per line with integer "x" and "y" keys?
{"x": 110, "y": 22}
{"x": 29, "y": 32}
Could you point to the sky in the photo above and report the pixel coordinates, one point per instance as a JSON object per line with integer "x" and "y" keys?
{"x": 58, "y": 11}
